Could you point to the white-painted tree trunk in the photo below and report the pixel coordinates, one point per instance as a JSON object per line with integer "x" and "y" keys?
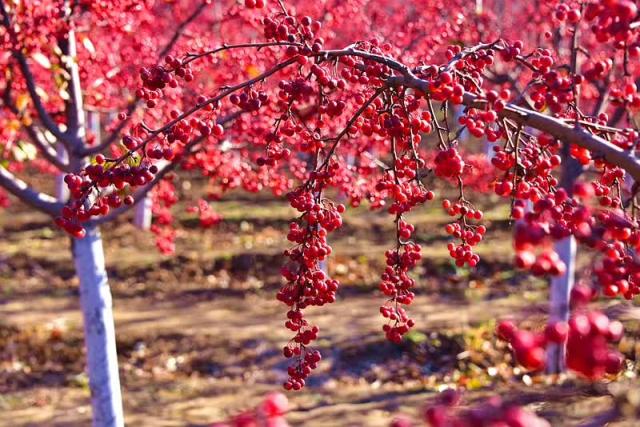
{"x": 561, "y": 286}
{"x": 61, "y": 190}
{"x": 324, "y": 266}
{"x": 93, "y": 120}
{"x": 99, "y": 330}
{"x": 559, "y": 300}
{"x": 143, "y": 214}
{"x": 143, "y": 210}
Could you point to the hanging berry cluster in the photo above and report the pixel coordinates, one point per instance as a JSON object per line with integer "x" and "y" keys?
{"x": 306, "y": 283}
{"x": 492, "y": 412}
{"x": 386, "y": 111}
{"x": 396, "y": 283}
{"x": 587, "y": 337}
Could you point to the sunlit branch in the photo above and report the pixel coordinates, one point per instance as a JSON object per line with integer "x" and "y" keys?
{"x": 41, "y": 201}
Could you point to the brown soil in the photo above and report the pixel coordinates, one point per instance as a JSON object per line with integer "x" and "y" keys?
{"x": 200, "y": 333}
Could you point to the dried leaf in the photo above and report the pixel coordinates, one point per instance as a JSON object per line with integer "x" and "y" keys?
{"x": 42, "y": 93}
{"x": 86, "y": 42}
{"x": 22, "y": 101}
{"x": 252, "y": 71}
{"x": 134, "y": 160}
{"x": 64, "y": 94}
{"x": 41, "y": 59}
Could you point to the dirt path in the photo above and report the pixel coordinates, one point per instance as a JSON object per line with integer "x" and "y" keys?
{"x": 231, "y": 323}
{"x": 200, "y": 333}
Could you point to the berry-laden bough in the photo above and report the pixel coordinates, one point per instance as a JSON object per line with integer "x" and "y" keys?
{"x": 376, "y": 99}
{"x": 364, "y": 98}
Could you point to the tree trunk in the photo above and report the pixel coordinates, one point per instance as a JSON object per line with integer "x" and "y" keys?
{"x": 99, "y": 330}
{"x": 62, "y": 191}
{"x": 559, "y": 299}
{"x": 561, "y": 286}
{"x": 142, "y": 216}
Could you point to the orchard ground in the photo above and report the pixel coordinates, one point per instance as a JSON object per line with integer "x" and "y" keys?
{"x": 200, "y": 333}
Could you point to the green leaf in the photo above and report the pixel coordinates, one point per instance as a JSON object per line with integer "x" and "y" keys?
{"x": 134, "y": 160}
{"x": 415, "y": 337}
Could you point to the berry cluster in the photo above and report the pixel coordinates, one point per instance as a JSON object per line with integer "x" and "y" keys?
{"x": 289, "y": 28}
{"x": 255, "y": 4}
{"x": 492, "y": 412}
{"x": 449, "y": 164}
{"x": 164, "y": 198}
{"x": 469, "y": 234}
{"x": 397, "y": 284}
{"x": 250, "y": 100}
{"x": 93, "y": 178}
{"x": 157, "y": 78}
{"x": 612, "y": 19}
{"x": 306, "y": 283}
{"x": 406, "y": 194}
{"x": 270, "y": 413}
{"x": 587, "y": 337}
{"x": 208, "y": 217}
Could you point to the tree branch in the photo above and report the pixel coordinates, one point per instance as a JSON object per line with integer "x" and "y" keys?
{"x": 603, "y": 418}
{"x": 43, "y": 202}
{"x": 44, "y": 116}
{"x": 142, "y": 192}
{"x": 74, "y": 106}
{"x": 133, "y": 105}
{"x": 542, "y": 122}
{"x": 35, "y": 135}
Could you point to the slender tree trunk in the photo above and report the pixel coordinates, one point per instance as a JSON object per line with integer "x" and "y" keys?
{"x": 561, "y": 286}
{"x": 88, "y": 256}
{"x": 559, "y": 299}
{"x": 99, "y": 330}
{"x": 479, "y": 7}
{"x": 142, "y": 216}
{"x": 143, "y": 213}
{"x": 62, "y": 191}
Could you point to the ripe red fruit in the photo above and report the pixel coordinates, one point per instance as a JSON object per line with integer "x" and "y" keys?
{"x": 218, "y": 130}
{"x": 557, "y": 332}
{"x": 275, "y": 404}
{"x": 506, "y": 329}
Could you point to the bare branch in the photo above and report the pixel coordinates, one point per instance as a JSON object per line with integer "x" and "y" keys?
{"x": 74, "y": 106}
{"x": 180, "y": 30}
{"x": 603, "y": 418}
{"x": 43, "y": 202}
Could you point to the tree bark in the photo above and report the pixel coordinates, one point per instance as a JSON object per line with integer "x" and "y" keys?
{"x": 99, "y": 330}
{"x": 62, "y": 191}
